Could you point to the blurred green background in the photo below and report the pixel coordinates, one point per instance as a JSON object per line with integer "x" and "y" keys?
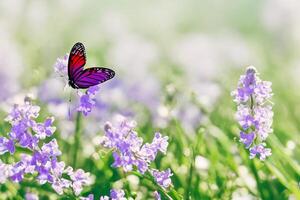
{"x": 176, "y": 63}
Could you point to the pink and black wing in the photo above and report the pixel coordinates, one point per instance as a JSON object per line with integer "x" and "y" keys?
{"x": 81, "y": 78}
{"x": 77, "y": 60}
{"x": 93, "y": 76}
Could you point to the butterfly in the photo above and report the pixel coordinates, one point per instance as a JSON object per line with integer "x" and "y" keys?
{"x": 80, "y": 78}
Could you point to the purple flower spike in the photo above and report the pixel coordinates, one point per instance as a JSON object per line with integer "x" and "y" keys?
{"x": 254, "y": 113}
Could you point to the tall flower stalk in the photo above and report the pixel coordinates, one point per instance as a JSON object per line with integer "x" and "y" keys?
{"x": 129, "y": 150}
{"x": 132, "y": 154}
{"x": 254, "y": 112}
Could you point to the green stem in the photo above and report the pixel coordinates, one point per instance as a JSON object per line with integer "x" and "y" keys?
{"x": 77, "y": 137}
{"x": 258, "y": 182}
{"x": 251, "y": 103}
{"x": 190, "y": 187}
{"x": 190, "y": 177}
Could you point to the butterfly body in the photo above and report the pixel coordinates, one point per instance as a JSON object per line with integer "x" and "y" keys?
{"x": 80, "y": 78}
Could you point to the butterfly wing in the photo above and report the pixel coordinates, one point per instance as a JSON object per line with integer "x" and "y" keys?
{"x": 93, "y": 76}
{"x": 77, "y": 60}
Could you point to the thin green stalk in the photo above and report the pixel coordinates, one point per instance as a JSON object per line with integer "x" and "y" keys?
{"x": 190, "y": 187}
{"x": 77, "y": 137}
{"x": 258, "y": 182}
{"x": 190, "y": 177}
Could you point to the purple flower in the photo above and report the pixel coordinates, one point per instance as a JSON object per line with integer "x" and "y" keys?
{"x": 87, "y": 100}
{"x": 149, "y": 151}
{"x": 263, "y": 91}
{"x": 264, "y": 117}
{"x": 254, "y": 112}
{"x": 60, "y": 184}
{"x": 45, "y": 163}
{"x": 51, "y": 149}
{"x": 246, "y": 85}
{"x": 18, "y": 172}
{"x": 260, "y": 151}
{"x": 163, "y": 177}
{"x": 80, "y": 179}
{"x": 117, "y": 194}
{"x": 244, "y": 117}
{"x": 160, "y": 143}
{"x": 126, "y": 160}
{"x": 61, "y": 66}
{"x": 45, "y": 129}
{"x": 6, "y": 145}
{"x": 247, "y": 138}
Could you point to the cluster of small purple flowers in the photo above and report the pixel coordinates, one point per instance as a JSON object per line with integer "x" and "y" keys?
{"x": 43, "y": 160}
{"x": 162, "y": 177}
{"x": 86, "y": 99}
{"x": 129, "y": 150}
{"x": 254, "y": 112}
